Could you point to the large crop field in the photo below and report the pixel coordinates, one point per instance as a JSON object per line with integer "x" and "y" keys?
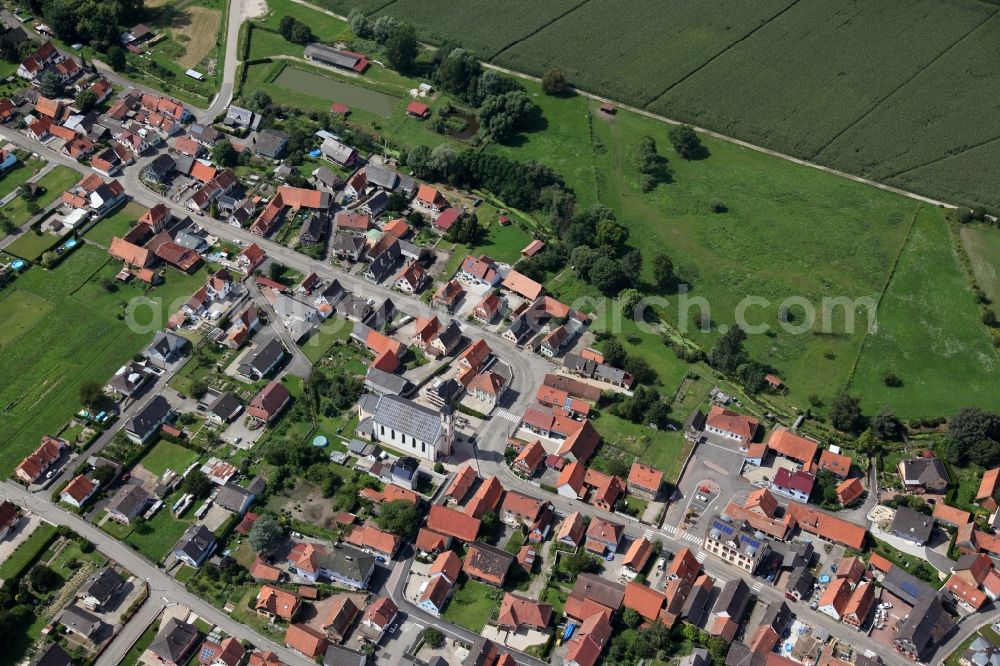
{"x": 929, "y": 334}
{"x": 900, "y": 93}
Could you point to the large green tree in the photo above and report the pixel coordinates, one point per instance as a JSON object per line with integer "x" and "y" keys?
{"x": 399, "y": 517}
{"x": 266, "y": 535}
{"x": 401, "y": 47}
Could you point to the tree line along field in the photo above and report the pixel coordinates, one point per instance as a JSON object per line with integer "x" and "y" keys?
{"x": 901, "y": 94}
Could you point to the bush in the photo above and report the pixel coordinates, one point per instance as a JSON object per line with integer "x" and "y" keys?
{"x": 718, "y": 207}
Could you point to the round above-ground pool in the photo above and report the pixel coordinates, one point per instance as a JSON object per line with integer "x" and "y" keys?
{"x": 319, "y": 441}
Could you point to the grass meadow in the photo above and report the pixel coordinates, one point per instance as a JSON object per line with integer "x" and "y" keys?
{"x": 929, "y": 334}
{"x": 982, "y": 243}
{"x": 72, "y": 334}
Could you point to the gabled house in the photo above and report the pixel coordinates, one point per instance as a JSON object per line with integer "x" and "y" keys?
{"x": 487, "y": 564}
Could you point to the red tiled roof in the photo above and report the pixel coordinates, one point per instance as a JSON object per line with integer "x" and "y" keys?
{"x": 792, "y": 446}
{"x": 738, "y": 424}
{"x": 638, "y": 554}
{"x": 278, "y": 602}
{"x": 430, "y": 541}
{"x": 849, "y": 490}
{"x": 951, "y": 515}
{"x": 487, "y": 498}
{"x": 988, "y": 486}
{"x": 452, "y": 523}
{"x": 369, "y": 536}
{"x": 835, "y": 463}
{"x": 522, "y": 285}
{"x": 516, "y": 610}
{"x": 645, "y": 477}
{"x": 571, "y": 528}
{"x": 644, "y": 600}
{"x": 448, "y": 564}
{"x": 963, "y": 591}
{"x": 827, "y": 526}
{"x": 461, "y": 483}
{"x": 305, "y": 639}
{"x": 80, "y": 488}
{"x": 263, "y": 571}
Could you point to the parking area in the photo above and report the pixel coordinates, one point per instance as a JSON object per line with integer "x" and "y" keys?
{"x": 23, "y": 530}
{"x": 884, "y": 632}
{"x": 761, "y": 477}
{"x": 710, "y": 462}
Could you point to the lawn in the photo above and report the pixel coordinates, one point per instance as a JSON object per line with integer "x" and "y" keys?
{"x": 155, "y": 537}
{"x": 65, "y": 563}
{"x": 118, "y": 224}
{"x": 55, "y": 183}
{"x": 929, "y": 334}
{"x": 19, "y": 175}
{"x": 471, "y": 605}
{"x": 29, "y": 550}
{"x": 914, "y": 565}
{"x": 22, "y": 311}
{"x": 332, "y": 330}
{"x": 166, "y": 455}
{"x": 80, "y": 339}
{"x": 982, "y": 244}
{"x": 135, "y": 654}
{"x": 32, "y": 244}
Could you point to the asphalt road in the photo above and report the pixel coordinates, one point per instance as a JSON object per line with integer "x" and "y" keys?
{"x": 162, "y": 586}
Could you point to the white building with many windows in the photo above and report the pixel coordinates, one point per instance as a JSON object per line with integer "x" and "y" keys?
{"x": 406, "y": 426}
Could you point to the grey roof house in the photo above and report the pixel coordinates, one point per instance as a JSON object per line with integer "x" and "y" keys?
{"x": 130, "y": 501}
{"x": 264, "y": 360}
{"x": 241, "y": 118}
{"x": 269, "y": 143}
{"x": 195, "y": 546}
{"x": 175, "y": 641}
{"x": 167, "y": 347}
{"x": 912, "y": 525}
{"x": 148, "y": 420}
{"x": 100, "y": 587}
{"x": 129, "y": 379}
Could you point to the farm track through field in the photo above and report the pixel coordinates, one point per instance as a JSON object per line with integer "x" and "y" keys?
{"x": 881, "y": 294}
{"x": 536, "y": 30}
{"x": 718, "y": 55}
{"x": 816, "y": 154}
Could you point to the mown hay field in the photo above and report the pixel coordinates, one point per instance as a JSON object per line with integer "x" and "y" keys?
{"x": 902, "y": 94}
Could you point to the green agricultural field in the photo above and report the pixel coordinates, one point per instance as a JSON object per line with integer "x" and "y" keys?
{"x": 22, "y": 311}
{"x": 898, "y": 94}
{"x": 982, "y": 244}
{"x": 497, "y": 25}
{"x": 932, "y": 135}
{"x": 929, "y": 334}
{"x": 166, "y": 455}
{"x": 80, "y": 339}
{"x": 118, "y": 224}
{"x": 820, "y": 88}
{"x": 638, "y": 53}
